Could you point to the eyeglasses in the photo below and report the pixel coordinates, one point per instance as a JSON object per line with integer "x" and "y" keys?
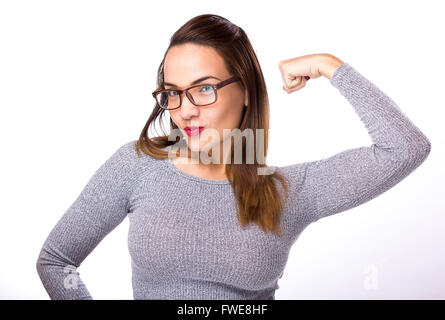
{"x": 199, "y": 95}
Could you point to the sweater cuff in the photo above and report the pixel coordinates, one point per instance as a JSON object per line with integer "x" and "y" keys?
{"x": 340, "y": 74}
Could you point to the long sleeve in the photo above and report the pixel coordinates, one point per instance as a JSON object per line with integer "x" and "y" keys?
{"x": 355, "y": 176}
{"x": 100, "y": 207}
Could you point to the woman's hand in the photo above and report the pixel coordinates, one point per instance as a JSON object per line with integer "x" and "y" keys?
{"x": 296, "y": 71}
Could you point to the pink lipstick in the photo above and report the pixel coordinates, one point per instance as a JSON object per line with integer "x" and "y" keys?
{"x": 193, "y": 131}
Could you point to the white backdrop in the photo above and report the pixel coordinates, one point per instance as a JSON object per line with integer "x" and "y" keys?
{"x": 75, "y": 84}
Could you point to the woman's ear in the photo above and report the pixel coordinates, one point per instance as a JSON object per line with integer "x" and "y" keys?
{"x": 246, "y": 98}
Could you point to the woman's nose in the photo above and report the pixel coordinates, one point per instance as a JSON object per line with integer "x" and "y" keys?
{"x": 187, "y": 108}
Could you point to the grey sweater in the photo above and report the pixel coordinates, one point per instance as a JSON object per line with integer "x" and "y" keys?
{"x": 184, "y": 237}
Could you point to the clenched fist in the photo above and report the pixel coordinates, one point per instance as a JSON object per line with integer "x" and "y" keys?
{"x": 296, "y": 71}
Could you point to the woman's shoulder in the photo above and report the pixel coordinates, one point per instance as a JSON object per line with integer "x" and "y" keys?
{"x": 296, "y": 171}
{"x": 129, "y": 164}
{"x": 130, "y": 155}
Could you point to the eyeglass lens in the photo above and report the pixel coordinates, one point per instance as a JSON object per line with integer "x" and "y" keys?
{"x": 201, "y": 95}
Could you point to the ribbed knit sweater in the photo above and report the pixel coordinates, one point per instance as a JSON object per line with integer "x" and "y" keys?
{"x": 184, "y": 238}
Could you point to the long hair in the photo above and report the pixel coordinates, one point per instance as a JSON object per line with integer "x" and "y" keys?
{"x": 258, "y": 197}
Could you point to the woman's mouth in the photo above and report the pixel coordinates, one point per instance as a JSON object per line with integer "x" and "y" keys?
{"x": 193, "y": 131}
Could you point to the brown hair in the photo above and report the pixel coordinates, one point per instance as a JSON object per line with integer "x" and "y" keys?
{"x": 258, "y": 198}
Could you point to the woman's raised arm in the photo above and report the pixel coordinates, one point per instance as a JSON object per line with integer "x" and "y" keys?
{"x": 355, "y": 176}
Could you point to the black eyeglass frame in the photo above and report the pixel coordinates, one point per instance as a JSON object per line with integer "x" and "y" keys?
{"x": 214, "y": 86}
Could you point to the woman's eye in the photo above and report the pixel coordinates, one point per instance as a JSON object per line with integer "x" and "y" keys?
{"x": 203, "y": 88}
{"x": 172, "y": 93}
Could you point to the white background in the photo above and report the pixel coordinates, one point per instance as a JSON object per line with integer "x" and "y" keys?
{"x": 75, "y": 84}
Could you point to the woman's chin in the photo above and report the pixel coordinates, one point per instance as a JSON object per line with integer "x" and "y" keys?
{"x": 195, "y": 144}
{"x": 198, "y": 147}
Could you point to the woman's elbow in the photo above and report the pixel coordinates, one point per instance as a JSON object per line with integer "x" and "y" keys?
{"x": 418, "y": 149}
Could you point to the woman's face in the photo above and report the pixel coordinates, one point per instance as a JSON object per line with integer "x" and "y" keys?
{"x": 188, "y": 62}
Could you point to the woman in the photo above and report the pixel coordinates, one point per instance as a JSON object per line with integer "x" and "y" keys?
{"x": 223, "y": 229}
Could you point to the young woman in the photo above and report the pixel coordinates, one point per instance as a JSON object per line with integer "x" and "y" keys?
{"x": 223, "y": 229}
